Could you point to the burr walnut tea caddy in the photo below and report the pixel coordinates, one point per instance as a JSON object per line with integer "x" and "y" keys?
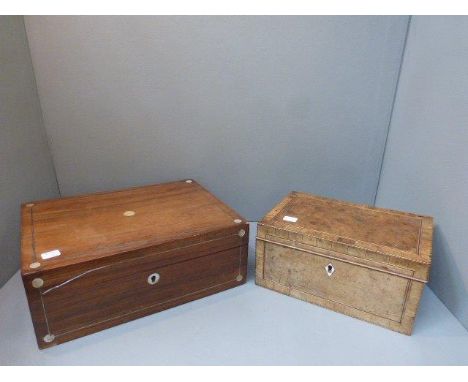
{"x": 95, "y": 261}
{"x": 366, "y": 262}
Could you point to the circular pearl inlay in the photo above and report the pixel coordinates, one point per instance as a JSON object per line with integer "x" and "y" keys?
{"x": 49, "y": 338}
{"x": 37, "y": 283}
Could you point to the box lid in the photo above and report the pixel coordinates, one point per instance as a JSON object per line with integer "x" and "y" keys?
{"x": 72, "y": 230}
{"x": 402, "y": 235}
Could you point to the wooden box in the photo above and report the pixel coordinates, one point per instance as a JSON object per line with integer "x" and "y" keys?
{"x": 366, "y": 262}
{"x": 95, "y": 261}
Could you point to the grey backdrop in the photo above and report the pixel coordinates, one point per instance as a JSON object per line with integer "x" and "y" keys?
{"x": 26, "y": 170}
{"x": 426, "y": 162}
{"x": 250, "y": 106}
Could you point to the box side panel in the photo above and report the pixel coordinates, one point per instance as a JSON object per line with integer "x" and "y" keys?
{"x": 427, "y": 232}
{"x": 412, "y": 306}
{"x": 36, "y": 308}
{"x": 27, "y": 252}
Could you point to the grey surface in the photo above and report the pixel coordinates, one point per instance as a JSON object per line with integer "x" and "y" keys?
{"x": 426, "y": 163}
{"x": 248, "y": 325}
{"x": 26, "y": 170}
{"x": 252, "y": 107}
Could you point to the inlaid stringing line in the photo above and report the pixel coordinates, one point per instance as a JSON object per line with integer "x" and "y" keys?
{"x": 142, "y": 309}
{"x": 129, "y": 260}
{"x": 240, "y": 258}
{"x": 33, "y": 237}
{"x": 124, "y": 261}
{"x": 343, "y": 260}
{"x": 291, "y": 203}
{"x": 307, "y": 292}
{"x": 74, "y": 278}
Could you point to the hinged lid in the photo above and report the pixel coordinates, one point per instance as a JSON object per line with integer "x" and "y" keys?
{"x": 392, "y": 236}
{"x": 66, "y": 231}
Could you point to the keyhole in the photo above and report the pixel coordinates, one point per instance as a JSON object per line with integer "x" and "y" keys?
{"x": 153, "y": 278}
{"x": 330, "y": 269}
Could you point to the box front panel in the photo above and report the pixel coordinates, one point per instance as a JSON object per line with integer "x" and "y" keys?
{"x": 121, "y": 291}
{"x": 367, "y": 290}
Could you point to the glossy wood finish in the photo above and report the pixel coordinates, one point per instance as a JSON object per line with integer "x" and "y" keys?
{"x": 195, "y": 243}
{"x": 95, "y": 226}
{"x": 380, "y": 258}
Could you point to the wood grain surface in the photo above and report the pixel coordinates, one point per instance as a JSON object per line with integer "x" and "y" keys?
{"x": 111, "y": 243}
{"x": 397, "y": 233}
{"x": 379, "y": 259}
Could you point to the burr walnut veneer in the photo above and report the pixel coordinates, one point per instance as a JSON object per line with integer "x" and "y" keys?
{"x": 366, "y": 262}
{"x": 95, "y": 261}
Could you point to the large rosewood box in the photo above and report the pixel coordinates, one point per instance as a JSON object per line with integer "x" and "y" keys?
{"x": 95, "y": 261}
{"x": 366, "y": 262}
